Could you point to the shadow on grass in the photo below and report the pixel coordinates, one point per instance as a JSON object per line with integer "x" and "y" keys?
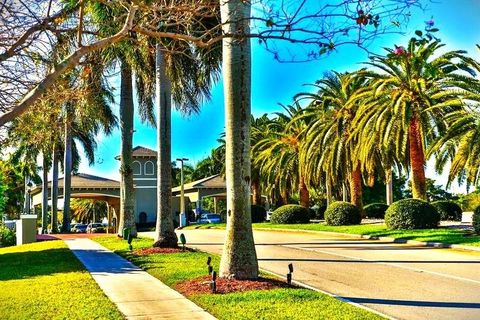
{"x": 21, "y": 265}
{"x": 415, "y": 303}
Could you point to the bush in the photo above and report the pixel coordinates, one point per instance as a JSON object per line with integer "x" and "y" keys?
{"x": 375, "y": 210}
{"x": 476, "y": 220}
{"x": 448, "y": 210}
{"x": 411, "y": 214}
{"x": 7, "y": 237}
{"x": 290, "y": 214}
{"x": 259, "y": 214}
{"x": 342, "y": 213}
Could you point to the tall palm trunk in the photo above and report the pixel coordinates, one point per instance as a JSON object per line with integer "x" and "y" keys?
{"x": 417, "y": 159}
{"x": 328, "y": 187}
{"x": 164, "y": 232}
{"x": 256, "y": 190}
{"x": 55, "y": 190}
{"x": 356, "y": 187}
{"x": 127, "y": 192}
{"x": 45, "y": 194}
{"x": 389, "y": 185}
{"x": 67, "y": 168}
{"x": 239, "y": 259}
{"x": 303, "y": 192}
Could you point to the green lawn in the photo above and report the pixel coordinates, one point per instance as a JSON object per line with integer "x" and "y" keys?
{"x": 445, "y": 235}
{"x": 301, "y": 304}
{"x": 46, "y": 281}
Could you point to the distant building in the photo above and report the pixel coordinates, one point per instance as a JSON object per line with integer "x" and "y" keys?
{"x": 145, "y": 184}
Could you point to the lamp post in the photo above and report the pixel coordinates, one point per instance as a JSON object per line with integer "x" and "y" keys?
{"x": 183, "y": 218}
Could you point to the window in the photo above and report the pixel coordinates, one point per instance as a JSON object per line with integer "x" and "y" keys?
{"x": 149, "y": 168}
{"x": 137, "y": 168}
{"x": 142, "y": 218}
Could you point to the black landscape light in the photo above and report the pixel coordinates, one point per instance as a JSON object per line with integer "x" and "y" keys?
{"x": 289, "y": 274}
{"x": 210, "y": 268}
{"x": 213, "y": 284}
{"x": 183, "y": 240}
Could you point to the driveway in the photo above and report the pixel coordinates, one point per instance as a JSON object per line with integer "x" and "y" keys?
{"x": 400, "y": 280}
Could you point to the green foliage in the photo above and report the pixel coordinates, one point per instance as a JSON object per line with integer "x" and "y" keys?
{"x": 341, "y": 213}
{"x": 290, "y": 214}
{"x": 259, "y": 214}
{"x": 448, "y": 210}
{"x": 377, "y": 192}
{"x": 375, "y": 210}
{"x": 3, "y": 199}
{"x": 470, "y": 201}
{"x": 411, "y": 214}
{"x": 476, "y": 220}
{"x": 7, "y": 237}
{"x": 318, "y": 212}
{"x": 435, "y": 192}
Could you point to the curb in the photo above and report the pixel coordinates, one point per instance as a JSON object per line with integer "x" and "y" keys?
{"x": 393, "y": 240}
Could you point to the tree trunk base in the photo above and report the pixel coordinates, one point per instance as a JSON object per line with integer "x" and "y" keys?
{"x": 167, "y": 241}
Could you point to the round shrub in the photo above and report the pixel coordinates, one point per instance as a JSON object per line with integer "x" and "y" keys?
{"x": 411, "y": 214}
{"x": 342, "y": 213}
{"x": 7, "y": 237}
{"x": 448, "y": 210}
{"x": 259, "y": 214}
{"x": 476, "y": 220}
{"x": 290, "y": 214}
{"x": 375, "y": 210}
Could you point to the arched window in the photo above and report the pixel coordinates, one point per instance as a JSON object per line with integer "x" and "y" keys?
{"x": 149, "y": 168}
{"x": 137, "y": 168}
{"x": 142, "y": 218}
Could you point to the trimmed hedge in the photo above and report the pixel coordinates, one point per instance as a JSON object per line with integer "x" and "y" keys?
{"x": 259, "y": 214}
{"x": 7, "y": 237}
{"x": 342, "y": 213}
{"x": 290, "y": 214}
{"x": 375, "y": 210}
{"x": 411, "y": 214}
{"x": 476, "y": 220}
{"x": 448, "y": 210}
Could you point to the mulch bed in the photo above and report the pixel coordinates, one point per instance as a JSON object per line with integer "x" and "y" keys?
{"x": 202, "y": 285}
{"x": 155, "y": 250}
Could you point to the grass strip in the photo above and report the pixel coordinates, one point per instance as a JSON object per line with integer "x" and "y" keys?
{"x": 443, "y": 235}
{"x": 45, "y": 280}
{"x": 282, "y": 303}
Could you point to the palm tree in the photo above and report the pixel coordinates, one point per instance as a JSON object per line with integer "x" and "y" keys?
{"x": 86, "y": 210}
{"x": 413, "y": 91}
{"x": 331, "y": 147}
{"x": 259, "y": 126}
{"x": 239, "y": 258}
{"x": 277, "y": 155}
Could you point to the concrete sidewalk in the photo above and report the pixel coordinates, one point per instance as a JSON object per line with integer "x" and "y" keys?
{"x": 137, "y": 294}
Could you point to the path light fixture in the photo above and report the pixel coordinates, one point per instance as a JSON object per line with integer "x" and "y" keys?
{"x": 210, "y": 268}
{"x": 289, "y": 274}
{"x": 183, "y": 218}
{"x": 129, "y": 240}
{"x": 213, "y": 284}
{"x": 29, "y": 191}
{"x": 183, "y": 240}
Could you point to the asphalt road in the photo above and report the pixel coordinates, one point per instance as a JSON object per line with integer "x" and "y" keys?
{"x": 400, "y": 280}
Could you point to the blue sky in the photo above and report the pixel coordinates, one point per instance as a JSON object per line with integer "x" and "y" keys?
{"x": 273, "y": 83}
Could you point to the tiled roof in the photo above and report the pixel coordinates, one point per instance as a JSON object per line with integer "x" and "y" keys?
{"x": 84, "y": 181}
{"x": 213, "y": 182}
{"x": 140, "y": 151}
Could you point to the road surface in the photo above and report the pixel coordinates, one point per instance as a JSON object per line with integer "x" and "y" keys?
{"x": 400, "y": 280}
